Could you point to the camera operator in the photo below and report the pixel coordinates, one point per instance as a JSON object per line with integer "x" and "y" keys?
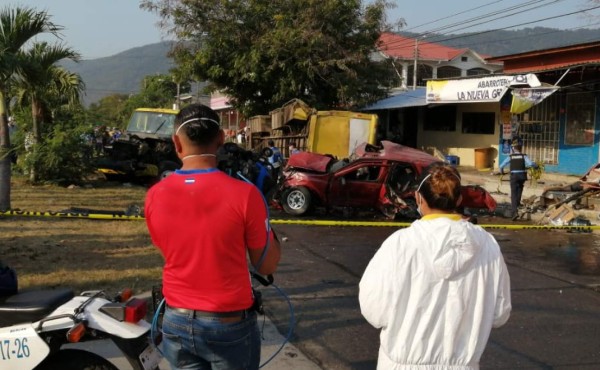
{"x": 203, "y": 221}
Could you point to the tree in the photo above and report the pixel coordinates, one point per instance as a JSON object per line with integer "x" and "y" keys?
{"x": 181, "y": 78}
{"x": 263, "y": 53}
{"x": 158, "y": 91}
{"x": 17, "y": 26}
{"x": 110, "y": 111}
{"x": 40, "y": 79}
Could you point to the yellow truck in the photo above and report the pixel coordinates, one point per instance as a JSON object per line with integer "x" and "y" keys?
{"x": 145, "y": 151}
{"x": 333, "y": 132}
{"x": 339, "y": 132}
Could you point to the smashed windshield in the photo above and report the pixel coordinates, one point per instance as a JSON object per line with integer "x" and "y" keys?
{"x": 152, "y": 123}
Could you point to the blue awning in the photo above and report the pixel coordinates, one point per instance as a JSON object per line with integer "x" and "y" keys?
{"x": 409, "y": 98}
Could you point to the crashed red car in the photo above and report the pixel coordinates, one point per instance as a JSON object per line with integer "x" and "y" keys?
{"x": 382, "y": 178}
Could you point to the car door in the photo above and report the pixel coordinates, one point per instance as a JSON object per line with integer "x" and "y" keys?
{"x": 357, "y": 185}
{"x": 402, "y": 179}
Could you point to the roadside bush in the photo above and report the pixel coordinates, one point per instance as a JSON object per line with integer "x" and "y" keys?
{"x": 65, "y": 156}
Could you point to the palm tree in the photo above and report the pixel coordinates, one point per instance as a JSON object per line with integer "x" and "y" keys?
{"x": 40, "y": 78}
{"x": 17, "y": 26}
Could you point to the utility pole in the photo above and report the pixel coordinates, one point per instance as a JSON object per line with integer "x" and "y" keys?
{"x": 178, "y": 103}
{"x": 416, "y": 61}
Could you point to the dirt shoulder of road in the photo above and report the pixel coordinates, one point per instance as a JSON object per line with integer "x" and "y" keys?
{"x": 79, "y": 253}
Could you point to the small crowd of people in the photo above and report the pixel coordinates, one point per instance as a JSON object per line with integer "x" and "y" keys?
{"x": 435, "y": 289}
{"x": 101, "y": 137}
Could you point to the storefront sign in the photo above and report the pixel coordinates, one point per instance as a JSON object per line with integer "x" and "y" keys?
{"x": 476, "y": 90}
{"x": 525, "y": 98}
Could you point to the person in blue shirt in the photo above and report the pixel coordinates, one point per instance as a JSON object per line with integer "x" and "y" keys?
{"x": 293, "y": 149}
{"x": 519, "y": 163}
{"x": 276, "y": 159}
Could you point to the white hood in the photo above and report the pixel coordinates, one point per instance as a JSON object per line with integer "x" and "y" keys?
{"x": 435, "y": 289}
{"x": 452, "y": 246}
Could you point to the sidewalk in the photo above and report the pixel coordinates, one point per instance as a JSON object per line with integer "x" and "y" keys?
{"x": 289, "y": 357}
{"x": 500, "y": 190}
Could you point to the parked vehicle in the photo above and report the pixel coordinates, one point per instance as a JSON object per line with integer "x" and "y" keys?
{"x": 145, "y": 150}
{"x": 38, "y": 329}
{"x": 382, "y": 178}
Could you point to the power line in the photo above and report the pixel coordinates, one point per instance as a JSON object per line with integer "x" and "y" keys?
{"x": 520, "y": 9}
{"x": 527, "y": 36}
{"x": 453, "y": 15}
{"x": 403, "y": 43}
{"x": 517, "y": 25}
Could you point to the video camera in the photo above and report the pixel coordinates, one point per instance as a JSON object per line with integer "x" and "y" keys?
{"x": 247, "y": 165}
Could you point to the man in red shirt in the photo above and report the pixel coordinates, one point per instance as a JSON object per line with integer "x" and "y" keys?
{"x": 205, "y": 224}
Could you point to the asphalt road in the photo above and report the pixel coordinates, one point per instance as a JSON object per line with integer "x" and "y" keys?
{"x": 555, "y": 283}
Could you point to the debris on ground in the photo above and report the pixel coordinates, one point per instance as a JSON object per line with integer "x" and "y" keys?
{"x": 561, "y": 216}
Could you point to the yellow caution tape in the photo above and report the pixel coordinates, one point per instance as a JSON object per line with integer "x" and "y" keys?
{"x": 68, "y": 214}
{"x": 303, "y": 222}
{"x": 339, "y": 223}
{"x": 407, "y": 224}
{"x": 109, "y": 171}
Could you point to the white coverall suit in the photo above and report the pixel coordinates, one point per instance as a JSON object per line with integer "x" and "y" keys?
{"x": 435, "y": 289}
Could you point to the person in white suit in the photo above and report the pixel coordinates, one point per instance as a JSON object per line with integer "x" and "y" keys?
{"x": 437, "y": 288}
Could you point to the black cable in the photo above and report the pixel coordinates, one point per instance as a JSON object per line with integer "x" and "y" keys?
{"x": 453, "y": 15}
{"x": 480, "y": 17}
{"x": 527, "y": 36}
{"x": 519, "y": 9}
{"x": 516, "y": 25}
{"x": 521, "y": 24}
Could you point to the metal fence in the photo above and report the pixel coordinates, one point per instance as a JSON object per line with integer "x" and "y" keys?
{"x": 540, "y": 131}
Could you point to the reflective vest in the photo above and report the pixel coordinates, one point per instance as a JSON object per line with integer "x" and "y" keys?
{"x": 517, "y": 162}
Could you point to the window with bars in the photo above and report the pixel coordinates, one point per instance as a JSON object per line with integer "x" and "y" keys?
{"x": 581, "y": 115}
{"x": 539, "y": 129}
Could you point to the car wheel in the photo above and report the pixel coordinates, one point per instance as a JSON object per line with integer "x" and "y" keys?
{"x": 297, "y": 201}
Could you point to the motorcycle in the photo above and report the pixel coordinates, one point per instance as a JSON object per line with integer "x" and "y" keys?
{"x": 40, "y": 329}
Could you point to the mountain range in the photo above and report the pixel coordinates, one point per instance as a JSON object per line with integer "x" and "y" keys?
{"x": 123, "y": 72}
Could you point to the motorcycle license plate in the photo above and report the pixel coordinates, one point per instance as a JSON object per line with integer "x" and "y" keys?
{"x": 150, "y": 358}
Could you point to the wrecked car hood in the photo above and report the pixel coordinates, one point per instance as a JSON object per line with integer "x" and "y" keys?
{"x": 310, "y": 161}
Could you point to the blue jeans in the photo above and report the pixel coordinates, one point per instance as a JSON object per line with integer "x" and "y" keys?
{"x": 206, "y": 343}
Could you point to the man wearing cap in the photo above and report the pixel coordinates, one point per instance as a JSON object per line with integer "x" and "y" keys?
{"x": 519, "y": 163}
{"x": 206, "y": 224}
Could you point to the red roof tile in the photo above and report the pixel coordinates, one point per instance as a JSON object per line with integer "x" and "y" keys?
{"x": 402, "y": 47}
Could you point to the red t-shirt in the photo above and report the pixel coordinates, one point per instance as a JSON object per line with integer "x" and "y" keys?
{"x": 203, "y": 221}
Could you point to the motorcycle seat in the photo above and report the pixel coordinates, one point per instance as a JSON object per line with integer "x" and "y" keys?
{"x": 31, "y": 305}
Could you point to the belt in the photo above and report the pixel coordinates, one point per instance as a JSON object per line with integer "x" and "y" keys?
{"x": 239, "y": 315}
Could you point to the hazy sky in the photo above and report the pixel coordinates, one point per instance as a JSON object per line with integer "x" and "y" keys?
{"x": 99, "y": 28}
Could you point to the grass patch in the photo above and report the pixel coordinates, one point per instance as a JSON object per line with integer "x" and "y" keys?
{"x": 81, "y": 254}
